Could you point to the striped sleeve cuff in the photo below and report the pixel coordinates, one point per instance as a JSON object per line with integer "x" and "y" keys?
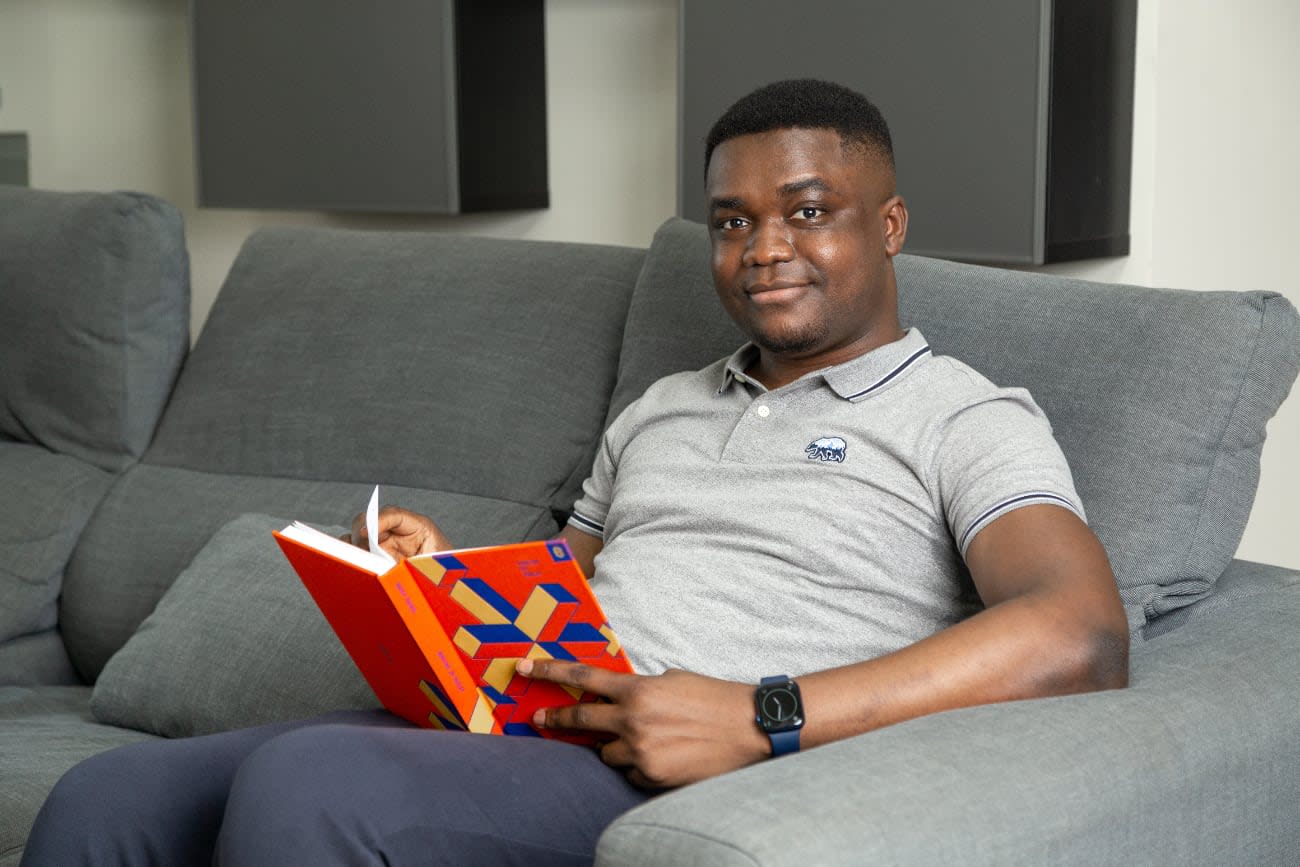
{"x": 1011, "y": 504}
{"x": 587, "y": 525}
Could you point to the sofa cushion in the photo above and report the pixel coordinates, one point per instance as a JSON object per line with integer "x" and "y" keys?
{"x": 451, "y": 363}
{"x": 1158, "y": 397}
{"x": 236, "y": 641}
{"x": 44, "y": 731}
{"x": 94, "y": 320}
{"x": 37, "y": 659}
{"x": 155, "y": 520}
{"x": 47, "y": 500}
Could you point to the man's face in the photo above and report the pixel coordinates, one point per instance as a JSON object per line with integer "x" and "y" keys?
{"x": 803, "y": 230}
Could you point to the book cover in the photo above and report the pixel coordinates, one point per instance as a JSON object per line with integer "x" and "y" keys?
{"x": 437, "y": 636}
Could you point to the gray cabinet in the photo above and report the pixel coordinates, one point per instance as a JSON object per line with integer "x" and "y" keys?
{"x": 432, "y": 106}
{"x": 1011, "y": 119}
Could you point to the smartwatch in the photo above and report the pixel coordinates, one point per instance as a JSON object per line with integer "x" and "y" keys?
{"x": 779, "y": 712}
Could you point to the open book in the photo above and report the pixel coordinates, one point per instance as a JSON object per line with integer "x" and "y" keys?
{"x": 437, "y": 636}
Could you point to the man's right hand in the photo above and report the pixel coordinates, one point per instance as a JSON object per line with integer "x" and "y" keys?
{"x": 402, "y": 533}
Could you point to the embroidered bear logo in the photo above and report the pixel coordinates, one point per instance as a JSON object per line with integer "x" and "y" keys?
{"x": 827, "y": 449}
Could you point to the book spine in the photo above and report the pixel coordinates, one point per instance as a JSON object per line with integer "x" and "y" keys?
{"x": 455, "y": 701}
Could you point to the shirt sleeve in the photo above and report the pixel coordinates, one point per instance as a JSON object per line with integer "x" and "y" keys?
{"x": 996, "y": 454}
{"x": 592, "y": 508}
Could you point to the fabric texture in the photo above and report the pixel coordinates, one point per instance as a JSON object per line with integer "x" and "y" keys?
{"x": 124, "y": 563}
{"x": 237, "y": 641}
{"x": 43, "y": 731}
{"x": 1159, "y": 397}
{"x": 1195, "y": 763}
{"x": 503, "y": 354}
{"x": 47, "y": 500}
{"x": 813, "y": 525}
{"x": 94, "y": 320}
{"x": 36, "y": 659}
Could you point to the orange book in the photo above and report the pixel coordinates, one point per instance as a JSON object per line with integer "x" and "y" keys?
{"x": 437, "y": 636}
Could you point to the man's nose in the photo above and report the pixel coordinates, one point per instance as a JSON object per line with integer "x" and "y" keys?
{"x": 770, "y": 243}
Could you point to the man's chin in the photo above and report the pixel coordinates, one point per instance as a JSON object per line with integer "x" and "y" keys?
{"x": 793, "y": 344}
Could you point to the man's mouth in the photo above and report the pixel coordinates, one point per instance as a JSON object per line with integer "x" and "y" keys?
{"x": 778, "y": 292}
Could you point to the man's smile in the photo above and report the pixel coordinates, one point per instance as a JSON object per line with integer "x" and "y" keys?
{"x": 778, "y": 292}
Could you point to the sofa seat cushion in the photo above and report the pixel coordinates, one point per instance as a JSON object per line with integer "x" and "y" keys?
{"x": 47, "y": 500}
{"x": 1159, "y": 397}
{"x": 236, "y": 641}
{"x": 44, "y": 731}
{"x": 94, "y": 320}
{"x": 155, "y": 521}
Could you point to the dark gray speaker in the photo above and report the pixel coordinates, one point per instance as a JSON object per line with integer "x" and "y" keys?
{"x": 434, "y": 106}
{"x": 1011, "y": 119}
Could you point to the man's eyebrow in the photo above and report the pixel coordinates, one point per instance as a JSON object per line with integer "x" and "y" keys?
{"x": 814, "y": 183}
{"x": 725, "y": 204}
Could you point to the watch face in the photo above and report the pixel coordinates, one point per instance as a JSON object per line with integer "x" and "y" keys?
{"x": 779, "y": 707}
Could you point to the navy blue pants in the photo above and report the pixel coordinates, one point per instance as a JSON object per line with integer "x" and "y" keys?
{"x": 347, "y": 788}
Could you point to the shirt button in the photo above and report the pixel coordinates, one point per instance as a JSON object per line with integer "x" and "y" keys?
{"x": 764, "y": 411}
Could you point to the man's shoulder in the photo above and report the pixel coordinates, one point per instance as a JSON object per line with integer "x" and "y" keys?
{"x": 948, "y": 380}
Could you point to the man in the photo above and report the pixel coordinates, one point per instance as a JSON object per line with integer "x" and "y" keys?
{"x": 832, "y": 503}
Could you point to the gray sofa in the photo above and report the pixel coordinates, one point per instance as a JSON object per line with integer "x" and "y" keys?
{"x": 471, "y": 378}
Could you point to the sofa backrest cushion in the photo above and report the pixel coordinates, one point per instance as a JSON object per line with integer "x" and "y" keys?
{"x": 94, "y": 320}
{"x": 1158, "y": 397}
{"x": 469, "y": 377}
{"x": 675, "y": 321}
{"x": 445, "y": 362}
{"x": 45, "y": 501}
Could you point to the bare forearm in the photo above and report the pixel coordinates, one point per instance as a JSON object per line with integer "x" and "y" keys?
{"x": 1023, "y": 648}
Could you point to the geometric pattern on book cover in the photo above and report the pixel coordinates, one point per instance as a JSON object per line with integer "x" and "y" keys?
{"x": 493, "y": 628}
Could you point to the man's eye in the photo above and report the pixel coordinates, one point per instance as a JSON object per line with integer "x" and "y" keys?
{"x": 810, "y": 213}
{"x": 731, "y": 223}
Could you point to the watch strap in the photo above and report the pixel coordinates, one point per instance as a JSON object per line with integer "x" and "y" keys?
{"x": 784, "y": 742}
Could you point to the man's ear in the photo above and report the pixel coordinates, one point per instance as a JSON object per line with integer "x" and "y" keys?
{"x": 894, "y": 213}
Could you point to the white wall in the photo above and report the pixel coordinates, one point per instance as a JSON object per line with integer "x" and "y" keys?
{"x": 102, "y": 86}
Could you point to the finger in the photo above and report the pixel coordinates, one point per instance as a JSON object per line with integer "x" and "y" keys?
{"x": 589, "y": 678}
{"x": 359, "y": 530}
{"x": 593, "y": 716}
{"x": 641, "y": 781}
{"x": 616, "y": 753}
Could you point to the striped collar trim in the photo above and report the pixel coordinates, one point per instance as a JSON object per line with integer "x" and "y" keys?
{"x": 854, "y": 380}
{"x": 876, "y": 371}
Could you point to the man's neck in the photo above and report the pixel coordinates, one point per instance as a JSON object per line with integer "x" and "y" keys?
{"x": 774, "y": 369}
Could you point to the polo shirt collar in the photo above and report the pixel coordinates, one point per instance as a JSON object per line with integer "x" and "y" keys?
{"x": 854, "y": 380}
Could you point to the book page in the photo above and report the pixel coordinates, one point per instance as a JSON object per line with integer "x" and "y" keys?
{"x": 337, "y": 548}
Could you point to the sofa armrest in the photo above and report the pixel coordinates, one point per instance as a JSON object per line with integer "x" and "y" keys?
{"x": 1197, "y": 762}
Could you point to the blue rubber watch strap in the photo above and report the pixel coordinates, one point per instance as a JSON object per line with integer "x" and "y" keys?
{"x": 784, "y": 742}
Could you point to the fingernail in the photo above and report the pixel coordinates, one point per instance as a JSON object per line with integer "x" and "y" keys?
{"x": 524, "y": 666}
{"x": 539, "y": 719}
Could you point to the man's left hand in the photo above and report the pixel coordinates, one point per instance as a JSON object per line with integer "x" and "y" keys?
{"x": 669, "y": 729}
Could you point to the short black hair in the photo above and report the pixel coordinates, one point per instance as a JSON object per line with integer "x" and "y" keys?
{"x": 805, "y": 103}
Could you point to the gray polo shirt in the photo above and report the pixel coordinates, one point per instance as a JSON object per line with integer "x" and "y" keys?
{"x": 750, "y": 532}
